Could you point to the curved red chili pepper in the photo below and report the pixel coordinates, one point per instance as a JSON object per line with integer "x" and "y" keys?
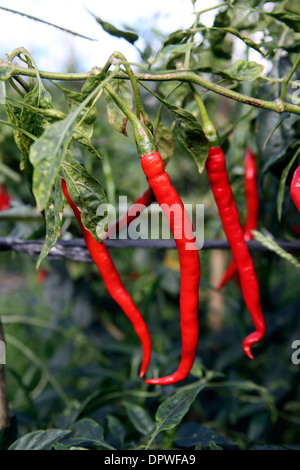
{"x": 220, "y": 185}
{"x": 295, "y": 188}
{"x": 144, "y": 200}
{"x": 114, "y": 284}
{"x": 178, "y": 219}
{"x": 252, "y": 208}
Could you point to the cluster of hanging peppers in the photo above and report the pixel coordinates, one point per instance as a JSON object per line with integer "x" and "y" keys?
{"x": 162, "y": 190}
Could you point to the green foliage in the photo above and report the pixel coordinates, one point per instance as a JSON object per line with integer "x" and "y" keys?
{"x": 113, "y": 31}
{"x": 86, "y": 193}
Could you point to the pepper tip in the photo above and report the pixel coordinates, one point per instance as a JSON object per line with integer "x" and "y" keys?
{"x": 247, "y": 350}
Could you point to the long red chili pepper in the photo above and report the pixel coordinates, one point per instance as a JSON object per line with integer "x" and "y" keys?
{"x": 220, "y": 185}
{"x": 178, "y": 219}
{"x": 182, "y": 230}
{"x": 144, "y": 200}
{"x": 252, "y": 208}
{"x": 295, "y": 188}
{"x": 114, "y": 284}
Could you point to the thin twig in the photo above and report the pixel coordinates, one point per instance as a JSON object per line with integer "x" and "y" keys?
{"x": 4, "y": 411}
{"x": 47, "y": 23}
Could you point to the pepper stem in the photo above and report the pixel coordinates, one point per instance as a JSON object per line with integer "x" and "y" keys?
{"x": 140, "y": 110}
{"x": 143, "y": 136}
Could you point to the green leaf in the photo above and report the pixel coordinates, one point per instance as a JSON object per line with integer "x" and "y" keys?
{"x": 290, "y": 19}
{"x": 273, "y": 246}
{"x": 170, "y": 413}
{"x": 39, "y": 440}
{"x": 87, "y": 433}
{"x": 96, "y": 77}
{"x": 53, "y": 220}
{"x": 6, "y": 69}
{"x": 164, "y": 137}
{"x": 214, "y": 446}
{"x": 46, "y": 155}
{"x": 32, "y": 122}
{"x": 175, "y": 49}
{"x": 243, "y": 70}
{"x": 115, "y": 116}
{"x": 139, "y": 418}
{"x": 177, "y": 37}
{"x": 117, "y": 430}
{"x": 192, "y": 433}
{"x": 39, "y": 97}
{"x": 13, "y": 115}
{"x": 75, "y": 98}
{"x": 219, "y": 45}
{"x": 87, "y": 194}
{"x": 83, "y": 138}
{"x": 113, "y": 31}
{"x": 84, "y": 130}
{"x": 192, "y": 137}
{"x": 248, "y": 41}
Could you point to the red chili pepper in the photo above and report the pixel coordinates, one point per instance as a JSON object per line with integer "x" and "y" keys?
{"x": 144, "y": 200}
{"x": 220, "y": 185}
{"x": 178, "y": 219}
{"x": 114, "y": 284}
{"x": 251, "y": 193}
{"x": 295, "y": 188}
{"x": 230, "y": 272}
{"x": 4, "y": 199}
{"x": 182, "y": 230}
{"x": 41, "y": 275}
{"x": 252, "y": 208}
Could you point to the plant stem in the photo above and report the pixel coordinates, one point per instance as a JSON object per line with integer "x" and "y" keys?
{"x": 190, "y": 77}
{"x": 4, "y": 411}
{"x": 143, "y": 136}
{"x": 136, "y": 92}
{"x": 46, "y": 22}
{"x": 184, "y": 76}
{"x": 224, "y": 4}
{"x": 287, "y": 79}
{"x": 188, "y": 53}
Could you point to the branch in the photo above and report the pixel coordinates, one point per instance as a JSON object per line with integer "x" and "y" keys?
{"x": 76, "y": 250}
{"x": 277, "y": 105}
